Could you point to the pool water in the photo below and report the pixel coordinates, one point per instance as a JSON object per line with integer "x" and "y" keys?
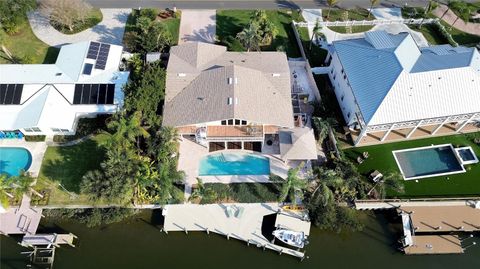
{"x": 234, "y": 164}
{"x": 14, "y": 160}
{"x": 428, "y": 162}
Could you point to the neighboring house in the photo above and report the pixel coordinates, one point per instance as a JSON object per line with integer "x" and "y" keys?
{"x": 388, "y": 88}
{"x": 234, "y": 100}
{"x": 47, "y": 99}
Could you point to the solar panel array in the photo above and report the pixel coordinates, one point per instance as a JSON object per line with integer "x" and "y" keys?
{"x": 10, "y": 94}
{"x": 102, "y": 56}
{"x": 99, "y": 52}
{"x": 94, "y": 94}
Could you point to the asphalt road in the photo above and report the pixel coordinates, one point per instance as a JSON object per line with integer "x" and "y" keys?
{"x": 246, "y": 4}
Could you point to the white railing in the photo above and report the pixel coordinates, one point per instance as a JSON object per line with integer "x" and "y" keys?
{"x": 365, "y": 22}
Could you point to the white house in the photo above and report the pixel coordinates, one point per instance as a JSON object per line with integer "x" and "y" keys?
{"x": 45, "y": 99}
{"x": 389, "y": 88}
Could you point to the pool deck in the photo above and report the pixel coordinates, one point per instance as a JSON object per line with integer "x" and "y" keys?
{"x": 191, "y": 153}
{"x": 37, "y": 149}
{"x": 435, "y": 244}
{"x": 247, "y": 227}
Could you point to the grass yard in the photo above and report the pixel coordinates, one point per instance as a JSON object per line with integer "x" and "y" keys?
{"x": 435, "y": 38}
{"x": 94, "y": 17}
{"x": 355, "y": 29}
{"x": 231, "y": 22}
{"x": 245, "y": 192}
{"x": 381, "y": 159}
{"x": 67, "y": 165}
{"x": 356, "y": 14}
{"x": 25, "y": 46}
{"x": 316, "y": 55}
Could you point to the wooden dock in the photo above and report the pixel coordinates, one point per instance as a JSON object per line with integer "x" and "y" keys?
{"x": 443, "y": 218}
{"x": 239, "y": 221}
{"x": 434, "y": 244}
{"x": 48, "y": 239}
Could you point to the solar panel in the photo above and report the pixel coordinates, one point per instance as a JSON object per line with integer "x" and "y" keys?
{"x": 93, "y": 50}
{"x": 3, "y": 92}
{"x": 10, "y": 92}
{"x": 102, "y": 94}
{"x": 102, "y": 56}
{"x": 77, "y": 96}
{"x": 86, "y": 94}
{"x": 94, "y": 94}
{"x": 110, "y": 93}
{"x": 17, "y": 96}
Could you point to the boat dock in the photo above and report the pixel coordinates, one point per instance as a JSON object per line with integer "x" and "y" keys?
{"x": 48, "y": 239}
{"x": 435, "y": 244}
{"x": 20, "y": 220}
{"x": 240, "y": 221}
{"x": 443, "y": 218}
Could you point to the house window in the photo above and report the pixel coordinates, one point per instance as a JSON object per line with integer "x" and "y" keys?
{"x": 65, "y": 130}
{"x": 230, "y": 122}
{"x": 87, "y": 69}
{"x": 36, "y": 129}
{"x": 28, "y": 130}
{"x": 224, "y": 122}
{"x": 56, "y": 130}
{"x": 237, "y": 122}
{"x": 244, "y": 122}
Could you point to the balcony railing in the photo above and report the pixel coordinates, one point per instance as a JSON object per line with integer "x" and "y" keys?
{"x": 214, "y": 132}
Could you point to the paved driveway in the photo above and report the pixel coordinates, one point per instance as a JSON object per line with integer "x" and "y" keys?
{"x": 109, "y": 30}
{"x": 198, "y": 25}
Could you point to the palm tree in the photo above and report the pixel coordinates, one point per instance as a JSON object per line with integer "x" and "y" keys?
{"x": 251, "y": 36}
{"x": 392, "y": 181}
{"x": 293, "y": 186}
{"x": 331, "y": 4}
{"x": 127, "y": 129}
{"x": 5, "y": 189}
{"x": 315, "y": 32}
{"x": 22, "y": 183}
{"x": 372, "y": 3}
{"x": 269, "y": 31}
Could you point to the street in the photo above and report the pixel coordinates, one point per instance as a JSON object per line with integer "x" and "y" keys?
{"x": 247, "y": 4}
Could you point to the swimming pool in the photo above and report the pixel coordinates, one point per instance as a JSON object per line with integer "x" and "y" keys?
{"x": 14, "y": 160}
{"x": 234, "y": 163}
{"x": 429, "y": 161}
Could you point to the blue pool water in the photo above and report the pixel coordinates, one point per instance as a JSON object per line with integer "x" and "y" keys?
{"x": 428, "y": 162}
{"x": 13, "y": 160}
{"x": 227, "y": 163}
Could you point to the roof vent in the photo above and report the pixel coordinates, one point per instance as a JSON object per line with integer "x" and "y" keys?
{"x": 275, "y": 75}
{"x": 230, "y": 81}
{"x": 182, "y": 75}
{"x": 58, "y": 74}
{"x": 236, "y": 80}
{"x": 230, "y": 101}
{"x": 236, "y": 100}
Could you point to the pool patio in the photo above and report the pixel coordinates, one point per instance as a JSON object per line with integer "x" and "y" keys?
{"x": 456, "y": 185}
{"x": 37, "y": 149}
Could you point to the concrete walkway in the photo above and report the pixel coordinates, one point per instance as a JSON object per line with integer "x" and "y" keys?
{"x": 109, "y": 30}
{"x": 198, "y": 25}
{"x": 450, "y": 17}
{"x": 387, "y": 13}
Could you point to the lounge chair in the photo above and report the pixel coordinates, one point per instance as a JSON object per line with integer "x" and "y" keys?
{"x": 359, "y": 160}
{"x": 375, "y": 176}
{"x": 19, "y": 135}
{"x": 2, "y": 135}
{"x": 365, "y": 155}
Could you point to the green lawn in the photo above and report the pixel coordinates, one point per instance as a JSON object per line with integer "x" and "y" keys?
{"x": 316, "y": 55}
{"x": 231, "y": 22}
{"x": 355, "y": 29}
{"x": 25, "y": 44}
{"x": 94, "y": 17}
{"x": 435, "y": 38}
{"x": 67, "y": 165}
{"x": 356, "y": 14}
{"x": 381, "y": 159}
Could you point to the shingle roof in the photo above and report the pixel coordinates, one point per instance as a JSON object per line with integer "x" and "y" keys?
{"x": 382, "y": 63}
{"x": 198, "y": 88}
{"x": 298, "y": 144}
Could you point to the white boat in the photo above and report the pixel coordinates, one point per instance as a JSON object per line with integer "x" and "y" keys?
{"x": 292, "y": 238}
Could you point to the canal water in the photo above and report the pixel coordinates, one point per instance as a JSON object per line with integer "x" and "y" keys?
{"x": 138, "y": 243}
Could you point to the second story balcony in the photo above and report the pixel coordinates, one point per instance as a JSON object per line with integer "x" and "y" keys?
{"x": 225, "y": 132}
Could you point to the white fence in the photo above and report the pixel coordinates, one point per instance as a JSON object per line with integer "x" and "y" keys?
{"x": 365, "y": 22}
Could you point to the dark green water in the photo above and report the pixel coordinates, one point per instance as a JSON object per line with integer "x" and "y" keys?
{"x": 137, "y": 244}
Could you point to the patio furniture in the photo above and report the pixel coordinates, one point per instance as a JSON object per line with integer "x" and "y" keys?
{"x": 375, "y": 176}
{"x": 359, "y": 160}
{"x": 365, "y": 155}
